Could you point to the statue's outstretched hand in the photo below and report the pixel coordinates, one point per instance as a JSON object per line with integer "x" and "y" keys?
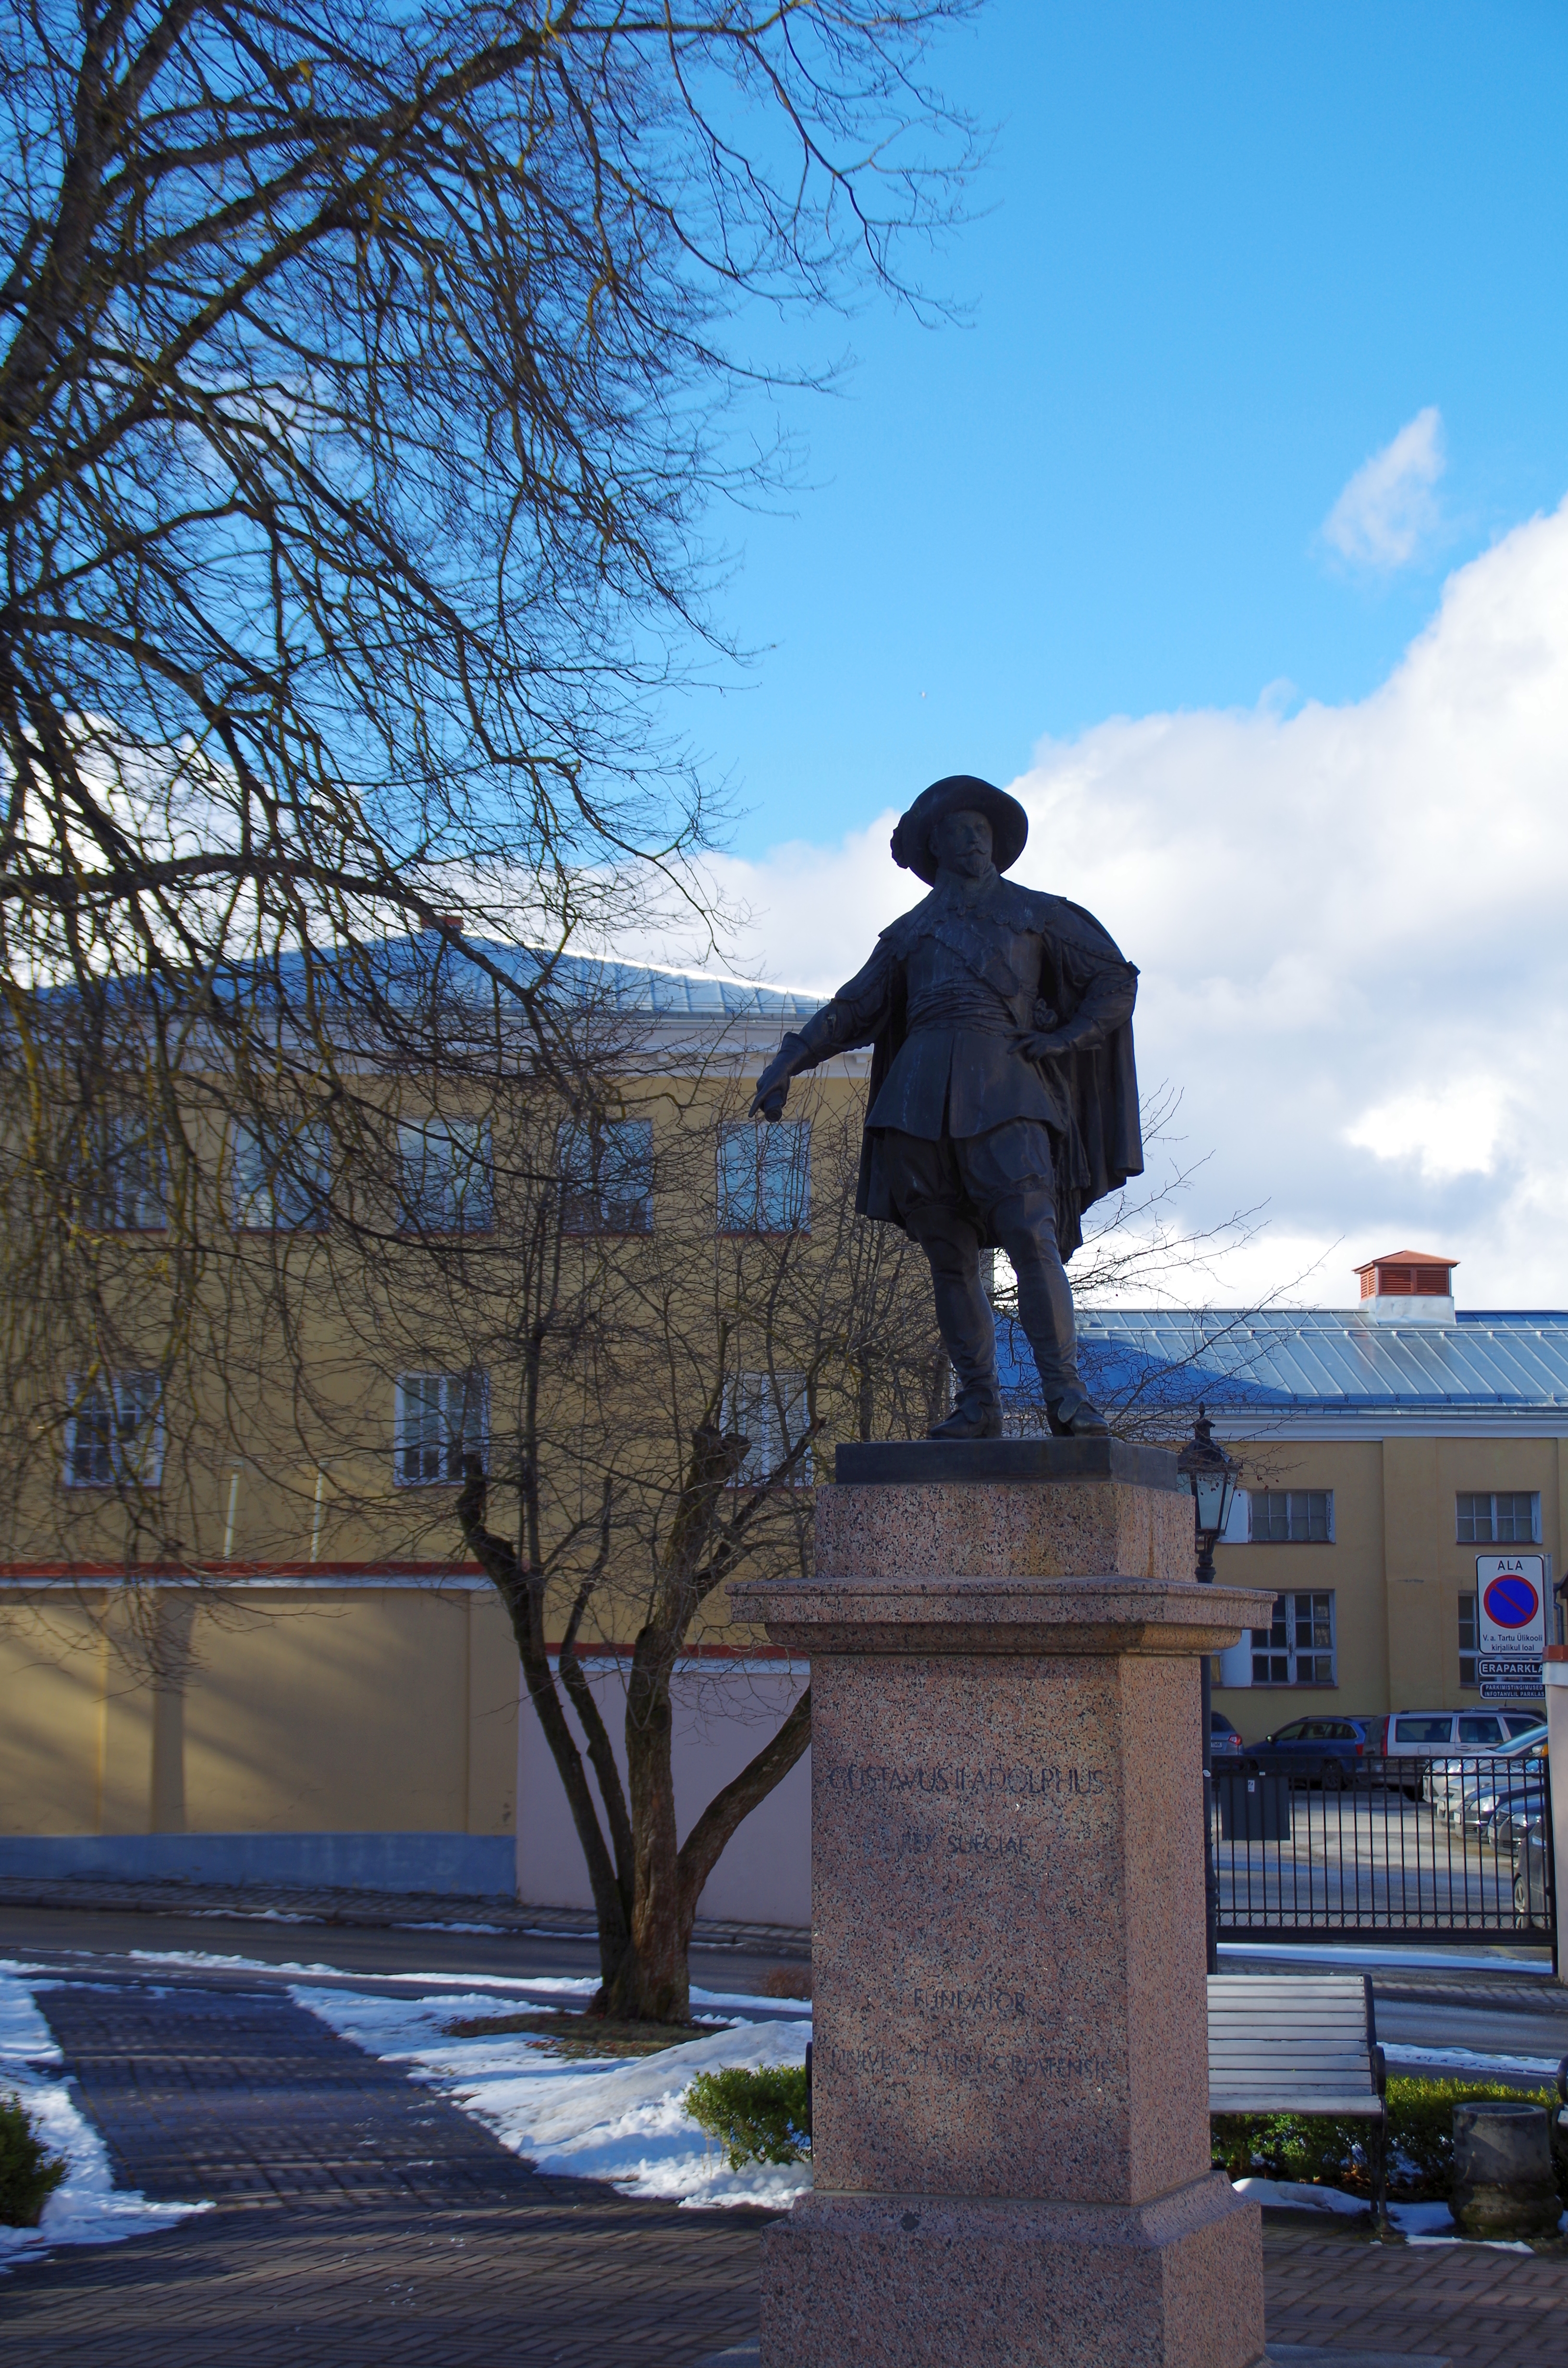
{"x": 773, "y": 1086}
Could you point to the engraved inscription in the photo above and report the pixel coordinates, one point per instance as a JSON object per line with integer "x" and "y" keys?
{"x": 953, "y": 1780}
{"x": 915, "y": 2059}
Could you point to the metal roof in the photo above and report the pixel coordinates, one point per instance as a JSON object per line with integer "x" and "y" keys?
{"x": 1321, "y": 1360}
{"x": 646, "y": 987}
{"x": 408, "y": 967}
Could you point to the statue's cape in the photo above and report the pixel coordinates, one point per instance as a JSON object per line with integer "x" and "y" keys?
{"x": 1097, "y": 1090}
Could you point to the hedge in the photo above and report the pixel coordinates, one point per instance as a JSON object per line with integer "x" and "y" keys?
{"x": 755, "y": 2116}
{"x": 1337, "y": 2154}
{"x": 761, "y": 2117}
{"x": 28, "y": 2173}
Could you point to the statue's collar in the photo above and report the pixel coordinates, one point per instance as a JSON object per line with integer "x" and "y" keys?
{"x": 946, "y": 897}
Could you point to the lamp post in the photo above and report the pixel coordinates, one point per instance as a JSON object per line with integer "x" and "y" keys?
{"x": 1209, "y": 1471}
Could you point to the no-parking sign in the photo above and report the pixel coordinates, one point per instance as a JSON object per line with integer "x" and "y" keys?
{"x": 1511, "y": 1593}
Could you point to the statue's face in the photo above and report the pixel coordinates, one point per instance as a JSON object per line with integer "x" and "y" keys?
{"x": 962, "y": 843}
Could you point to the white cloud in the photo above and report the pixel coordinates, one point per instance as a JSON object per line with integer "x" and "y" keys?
{"x": 1388, "y": 510}
{"x": 1452, "y": 1132}
{"x": 1350, "y": 926}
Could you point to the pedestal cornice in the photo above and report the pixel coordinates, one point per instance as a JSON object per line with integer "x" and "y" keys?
{"x": 1001, "y": 1616}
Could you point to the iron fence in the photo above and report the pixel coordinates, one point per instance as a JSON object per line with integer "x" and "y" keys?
{"x": 1396, "y": 1849}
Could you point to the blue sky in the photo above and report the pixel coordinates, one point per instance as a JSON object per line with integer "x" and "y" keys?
{"x": 1230, "y": 253}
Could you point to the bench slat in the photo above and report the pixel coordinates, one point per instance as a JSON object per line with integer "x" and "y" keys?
{"x": 1291, "y": 2042}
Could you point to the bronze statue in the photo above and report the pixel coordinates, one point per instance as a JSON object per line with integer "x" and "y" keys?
{"x": 1003, "y": 1099}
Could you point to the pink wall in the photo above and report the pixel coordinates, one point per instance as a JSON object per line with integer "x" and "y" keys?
{"x": 725, "y": 1711}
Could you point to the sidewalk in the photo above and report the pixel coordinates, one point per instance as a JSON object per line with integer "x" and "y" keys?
{"x": 373, "y": 1910}
{"x": 361, "y": 2220}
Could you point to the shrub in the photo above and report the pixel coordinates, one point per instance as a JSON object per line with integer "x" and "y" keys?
{"x": 1338, "y": 2154}
{"x": 29, "y": 2174}
{"x": 789, "y": 1982}
{"x": 755, "y": 2116}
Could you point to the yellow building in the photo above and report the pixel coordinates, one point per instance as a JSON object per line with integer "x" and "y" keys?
{"x": 328, "y": 1690}
{"x": 1387, "y": 1449}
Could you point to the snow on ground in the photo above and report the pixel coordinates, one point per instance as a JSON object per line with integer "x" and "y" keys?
{"x": 1469, "y": 2059}
{"x": 86, "y": 2208}
{"x": 601, "y": 2117}
{"x": 1419, "y": 2223}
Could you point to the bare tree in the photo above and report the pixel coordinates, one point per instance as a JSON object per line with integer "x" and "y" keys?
{"x": 364, "y": 375}
{"x": 670, "y": 1394}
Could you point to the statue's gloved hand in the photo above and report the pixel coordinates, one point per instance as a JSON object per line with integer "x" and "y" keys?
{"x": 1036, "y": 1044}
{"x": 773, "y": 1086}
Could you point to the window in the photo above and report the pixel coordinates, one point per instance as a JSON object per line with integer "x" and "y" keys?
{"x": 765, "y": 1178}
{"x": 609, "y": 1175}
{"x": 441, "y": 1418}
{"x": 1501, "y": 1520}
{"x": 1523, "y": 1722}
{"x": 1467, "y": 1641}
{"x": 1297, "y": 1648}
{"x": 128, "y": 1188}
{"x": 1481, "y": 1729}
{"x": 446, "y": 1179}
{"x": 1293, "y": 1517}
{"x": 1439, "y": 1728}
{"x": 115, "y": 1432}
{"x": 279, "y": 1183}
{"x": 769, "y": 1410}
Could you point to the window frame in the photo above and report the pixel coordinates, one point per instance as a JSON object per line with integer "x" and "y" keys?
{"x": 314, "y": 1191}
{"x": 1494, "y": 1536}
{"x": 587, "y": 1208}
{"x": 1470, "y": 1649}
{"x": 471, "y": 1437}
{"x": 1279, "y": 1642}
{"x": 1262, "y": 1517}
{"x": 127, "y": 1133}
{"x": 792, "y": 1183}
{"x": 781, "y": 1396}
{"x": 466, "y": 1177}
{"x": 114, "y": 1391}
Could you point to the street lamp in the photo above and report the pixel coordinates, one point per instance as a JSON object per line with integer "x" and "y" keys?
{"x": 1208, "y": 1473}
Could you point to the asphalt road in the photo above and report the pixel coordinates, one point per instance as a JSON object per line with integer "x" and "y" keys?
{"x": 72, "y": 1939}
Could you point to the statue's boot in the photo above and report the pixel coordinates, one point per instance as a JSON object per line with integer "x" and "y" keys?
{"x": 1027, "y": 1229}
{"x": 969, "y": 1336}
{"x": 973, "y": 1421}
{"x": 1074, "y": 1417}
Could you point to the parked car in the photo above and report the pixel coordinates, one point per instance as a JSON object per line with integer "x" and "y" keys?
{"x": 1452, "y": 1783}
{"x": 1224, "y": 1740}
{"x": 1500, "y": 1819}
{"x": 1505, "y": 1785}
{"x": 1329, "y": 1751}
{"x": 1525, "y": 1822}
{"x": 1420, "y": 1733}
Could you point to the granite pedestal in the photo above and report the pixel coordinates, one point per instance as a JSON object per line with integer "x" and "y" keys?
{"x": 1010, "y": 2109}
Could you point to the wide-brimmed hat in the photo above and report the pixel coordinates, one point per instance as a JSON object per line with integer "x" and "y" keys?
{"x": 958, "y": 793}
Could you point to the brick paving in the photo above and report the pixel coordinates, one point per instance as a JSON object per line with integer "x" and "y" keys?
{"x": 1473, "y": 2305}
{"x": 360, "y": 2219}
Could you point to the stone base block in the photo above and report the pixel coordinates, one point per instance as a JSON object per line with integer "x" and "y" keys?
{"x": 922, "y": 2281}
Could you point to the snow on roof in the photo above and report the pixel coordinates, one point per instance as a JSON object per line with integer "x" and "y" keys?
{"x": 407, "y": 967}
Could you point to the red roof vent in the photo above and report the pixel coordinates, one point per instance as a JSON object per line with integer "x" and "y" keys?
{"x": 1408, "y": 1274}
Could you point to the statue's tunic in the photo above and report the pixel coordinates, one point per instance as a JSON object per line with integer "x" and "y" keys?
{"x": 945, "y": 999}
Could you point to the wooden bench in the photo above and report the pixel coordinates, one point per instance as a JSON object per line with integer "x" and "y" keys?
{"x": 1301, "y": 2044}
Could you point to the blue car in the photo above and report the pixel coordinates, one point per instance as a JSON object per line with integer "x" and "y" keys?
{"x": 1332, "y": 1751}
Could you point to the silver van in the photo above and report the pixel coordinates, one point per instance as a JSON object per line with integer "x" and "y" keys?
{"x": 1423, "y": 1734}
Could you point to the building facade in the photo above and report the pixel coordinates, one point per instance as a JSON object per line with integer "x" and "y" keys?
{"x": 328, "y": 1692}
{"x": 1386, "y": 1449}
